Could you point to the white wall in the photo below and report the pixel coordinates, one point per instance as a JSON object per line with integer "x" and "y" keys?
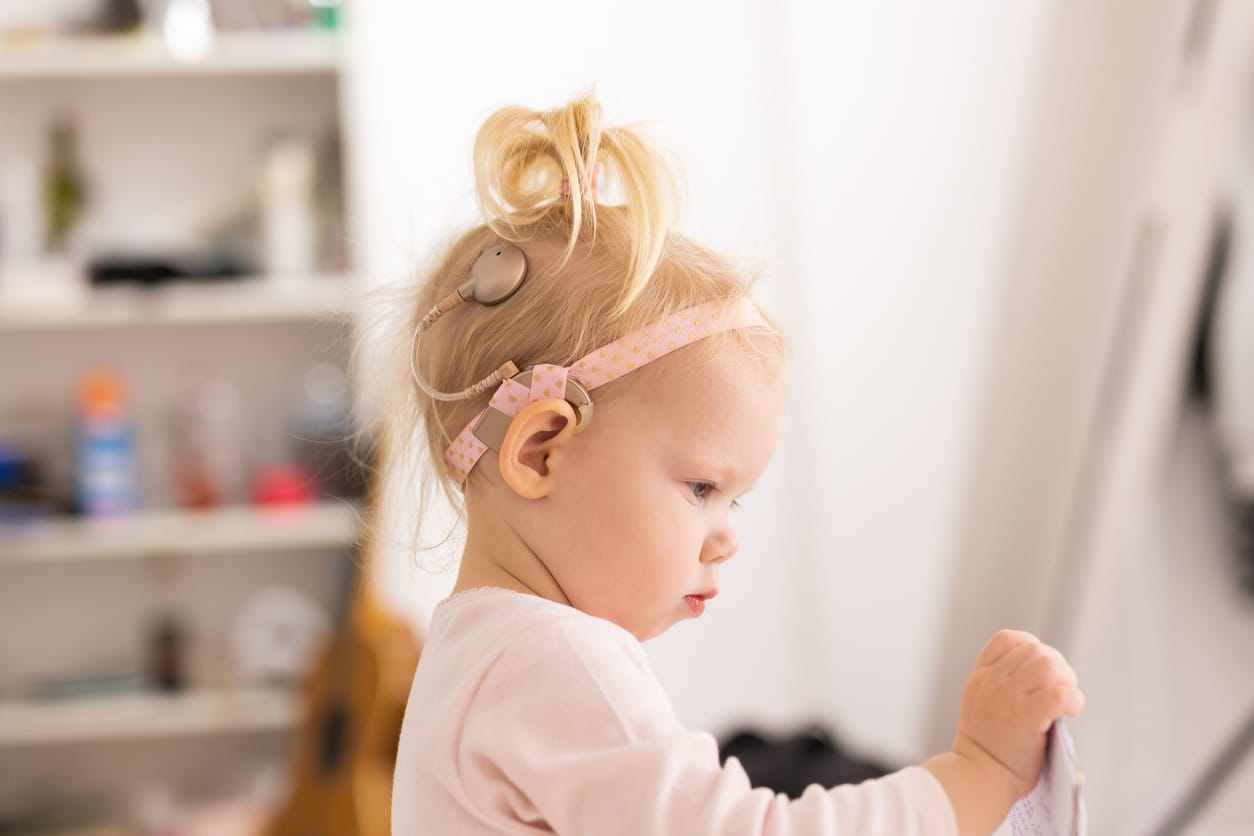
{"x": 909, "y": 122}
{"x": 1097, "y": 512}
{"x": 869, "y": 153}
{"x": 1165, "y": 655}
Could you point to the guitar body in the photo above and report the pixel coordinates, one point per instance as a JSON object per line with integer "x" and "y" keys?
{"x": 346, "y": 748}
{"x": 345, "y": 751}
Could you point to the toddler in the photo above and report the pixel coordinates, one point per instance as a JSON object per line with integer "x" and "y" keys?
{"x": 597, "y": 391}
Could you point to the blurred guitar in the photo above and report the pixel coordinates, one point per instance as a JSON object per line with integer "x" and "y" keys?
{"x": 346, "y": 747}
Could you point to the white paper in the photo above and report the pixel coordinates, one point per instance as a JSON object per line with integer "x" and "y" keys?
{"x": 1055, "y": 807}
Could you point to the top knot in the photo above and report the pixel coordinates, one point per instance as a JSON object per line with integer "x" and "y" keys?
{"x": 591, "y": 189}
{"x": 526, "y": 160}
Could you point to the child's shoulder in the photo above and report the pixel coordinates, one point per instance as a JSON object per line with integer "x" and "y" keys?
{"x": 520, "y": 656}
{"x": 518, "y": 628}
{"x": 509, "y": 617}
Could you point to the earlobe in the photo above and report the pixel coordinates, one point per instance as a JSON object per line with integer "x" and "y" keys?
{"x": 532, "y": 437}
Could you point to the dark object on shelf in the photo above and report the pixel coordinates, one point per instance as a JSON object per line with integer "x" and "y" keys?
{"x": 120, "y": 16}
{"x": 167, "y": 647}
{"x": 336, "y": 464}
{"x": 157, "y": 269}
{"x": 24, "y": 494}
{"x": 65, "y": 186}
{"x": 790, "y": 764}
{"x": 323, "y": 439}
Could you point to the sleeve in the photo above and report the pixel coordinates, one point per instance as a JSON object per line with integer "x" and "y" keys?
{"x": 571, "y": 731}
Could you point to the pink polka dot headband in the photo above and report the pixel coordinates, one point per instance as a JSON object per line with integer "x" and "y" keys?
{"x": 597, "y": 368}
{"x": 496, "y": 275}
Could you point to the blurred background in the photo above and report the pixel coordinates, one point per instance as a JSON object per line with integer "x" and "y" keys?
{"x": 1011, "y": 242}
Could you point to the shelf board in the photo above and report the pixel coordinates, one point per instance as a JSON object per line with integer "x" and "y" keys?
{"x": 146, "y": 715}
{"x": 176, "y": 532}
{"x": 232, "y": 301}
{"x": 145, "y": 55}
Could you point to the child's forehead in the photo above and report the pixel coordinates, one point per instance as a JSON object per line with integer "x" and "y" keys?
{"x": 719, "y": 419}
{"x": 694, "y": 394}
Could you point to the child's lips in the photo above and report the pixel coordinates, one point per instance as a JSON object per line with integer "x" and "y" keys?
{"x": 696, "y": 602}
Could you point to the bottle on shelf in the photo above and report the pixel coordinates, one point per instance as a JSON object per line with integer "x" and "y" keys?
{"x": 206, "y": 440}
{"x": 286, "y": 191}
{"x": 167, "y": 649}
{"x": 105, "y": 473}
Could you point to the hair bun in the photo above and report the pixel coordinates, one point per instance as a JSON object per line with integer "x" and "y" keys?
{"x": 522, "y": 157}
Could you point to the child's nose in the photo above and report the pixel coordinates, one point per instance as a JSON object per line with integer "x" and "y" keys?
{"x": 720, "y": 545}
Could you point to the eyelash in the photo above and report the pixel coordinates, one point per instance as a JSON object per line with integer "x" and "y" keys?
{"x": 710, "y": 486}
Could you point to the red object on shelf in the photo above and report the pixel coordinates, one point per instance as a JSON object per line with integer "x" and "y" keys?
{"x": 283, "y": 485}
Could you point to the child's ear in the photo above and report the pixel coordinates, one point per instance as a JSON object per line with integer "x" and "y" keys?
{"x": 532, "y": 436}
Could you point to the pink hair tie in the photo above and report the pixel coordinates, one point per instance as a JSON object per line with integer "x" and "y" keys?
{"x": 598, "y": 171}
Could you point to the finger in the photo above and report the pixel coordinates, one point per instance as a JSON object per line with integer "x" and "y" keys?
{"x": 1008, "y": 666}
{"x": 1073, "y": 701}
{"x": 1002, "y": 643}
{"x": 1047, "y": 668}
{"x": 1048, "y": 704}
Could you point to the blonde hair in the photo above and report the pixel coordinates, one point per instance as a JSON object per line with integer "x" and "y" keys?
{"x": 595, "y": 271}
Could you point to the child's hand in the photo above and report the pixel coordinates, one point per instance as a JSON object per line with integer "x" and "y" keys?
{"x": 1018, "y": 689}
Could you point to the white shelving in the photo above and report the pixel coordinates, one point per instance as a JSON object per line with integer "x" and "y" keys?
{"x": 253, "y": 300}
{"x": 146, "y": 55}
{"x": 146, "y": 715}
{"x": 147, "y": 534}
{"x": 168, "y": 144}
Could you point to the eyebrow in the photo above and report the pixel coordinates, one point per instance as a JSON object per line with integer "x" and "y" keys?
{"x": 723, "y": 473}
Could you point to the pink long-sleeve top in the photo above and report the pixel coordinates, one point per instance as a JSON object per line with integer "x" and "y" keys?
{"x": 528, "y": 716}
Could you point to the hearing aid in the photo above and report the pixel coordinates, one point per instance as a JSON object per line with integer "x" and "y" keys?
{"x": 493, "y": 424}
{"x": 495, "y": 276}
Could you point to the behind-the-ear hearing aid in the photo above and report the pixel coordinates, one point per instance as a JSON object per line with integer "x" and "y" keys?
{"x": 492, "y": 425}
{"x": 495, "y": 276}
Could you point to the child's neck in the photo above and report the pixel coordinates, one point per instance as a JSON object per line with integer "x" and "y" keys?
{"x": 473, "y": 575}
{"x": 495, "y": 555}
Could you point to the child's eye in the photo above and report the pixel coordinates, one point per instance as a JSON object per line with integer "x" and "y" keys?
{"x": 703, "y": 489}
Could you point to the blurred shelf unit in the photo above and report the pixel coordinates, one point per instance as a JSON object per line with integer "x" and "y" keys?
{"x": 176, "y": 532}
{"x": 146, "y": 55}
{"x": 147, "y": 715}
{"x": 235, "y": 301}
{"x": 45, "y": 301}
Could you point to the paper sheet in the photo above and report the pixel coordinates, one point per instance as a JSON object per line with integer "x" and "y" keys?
{"x": 1055, "y": 807}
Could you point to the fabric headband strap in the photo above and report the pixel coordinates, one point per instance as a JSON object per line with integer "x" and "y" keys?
{"x": 596, "y": 369}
